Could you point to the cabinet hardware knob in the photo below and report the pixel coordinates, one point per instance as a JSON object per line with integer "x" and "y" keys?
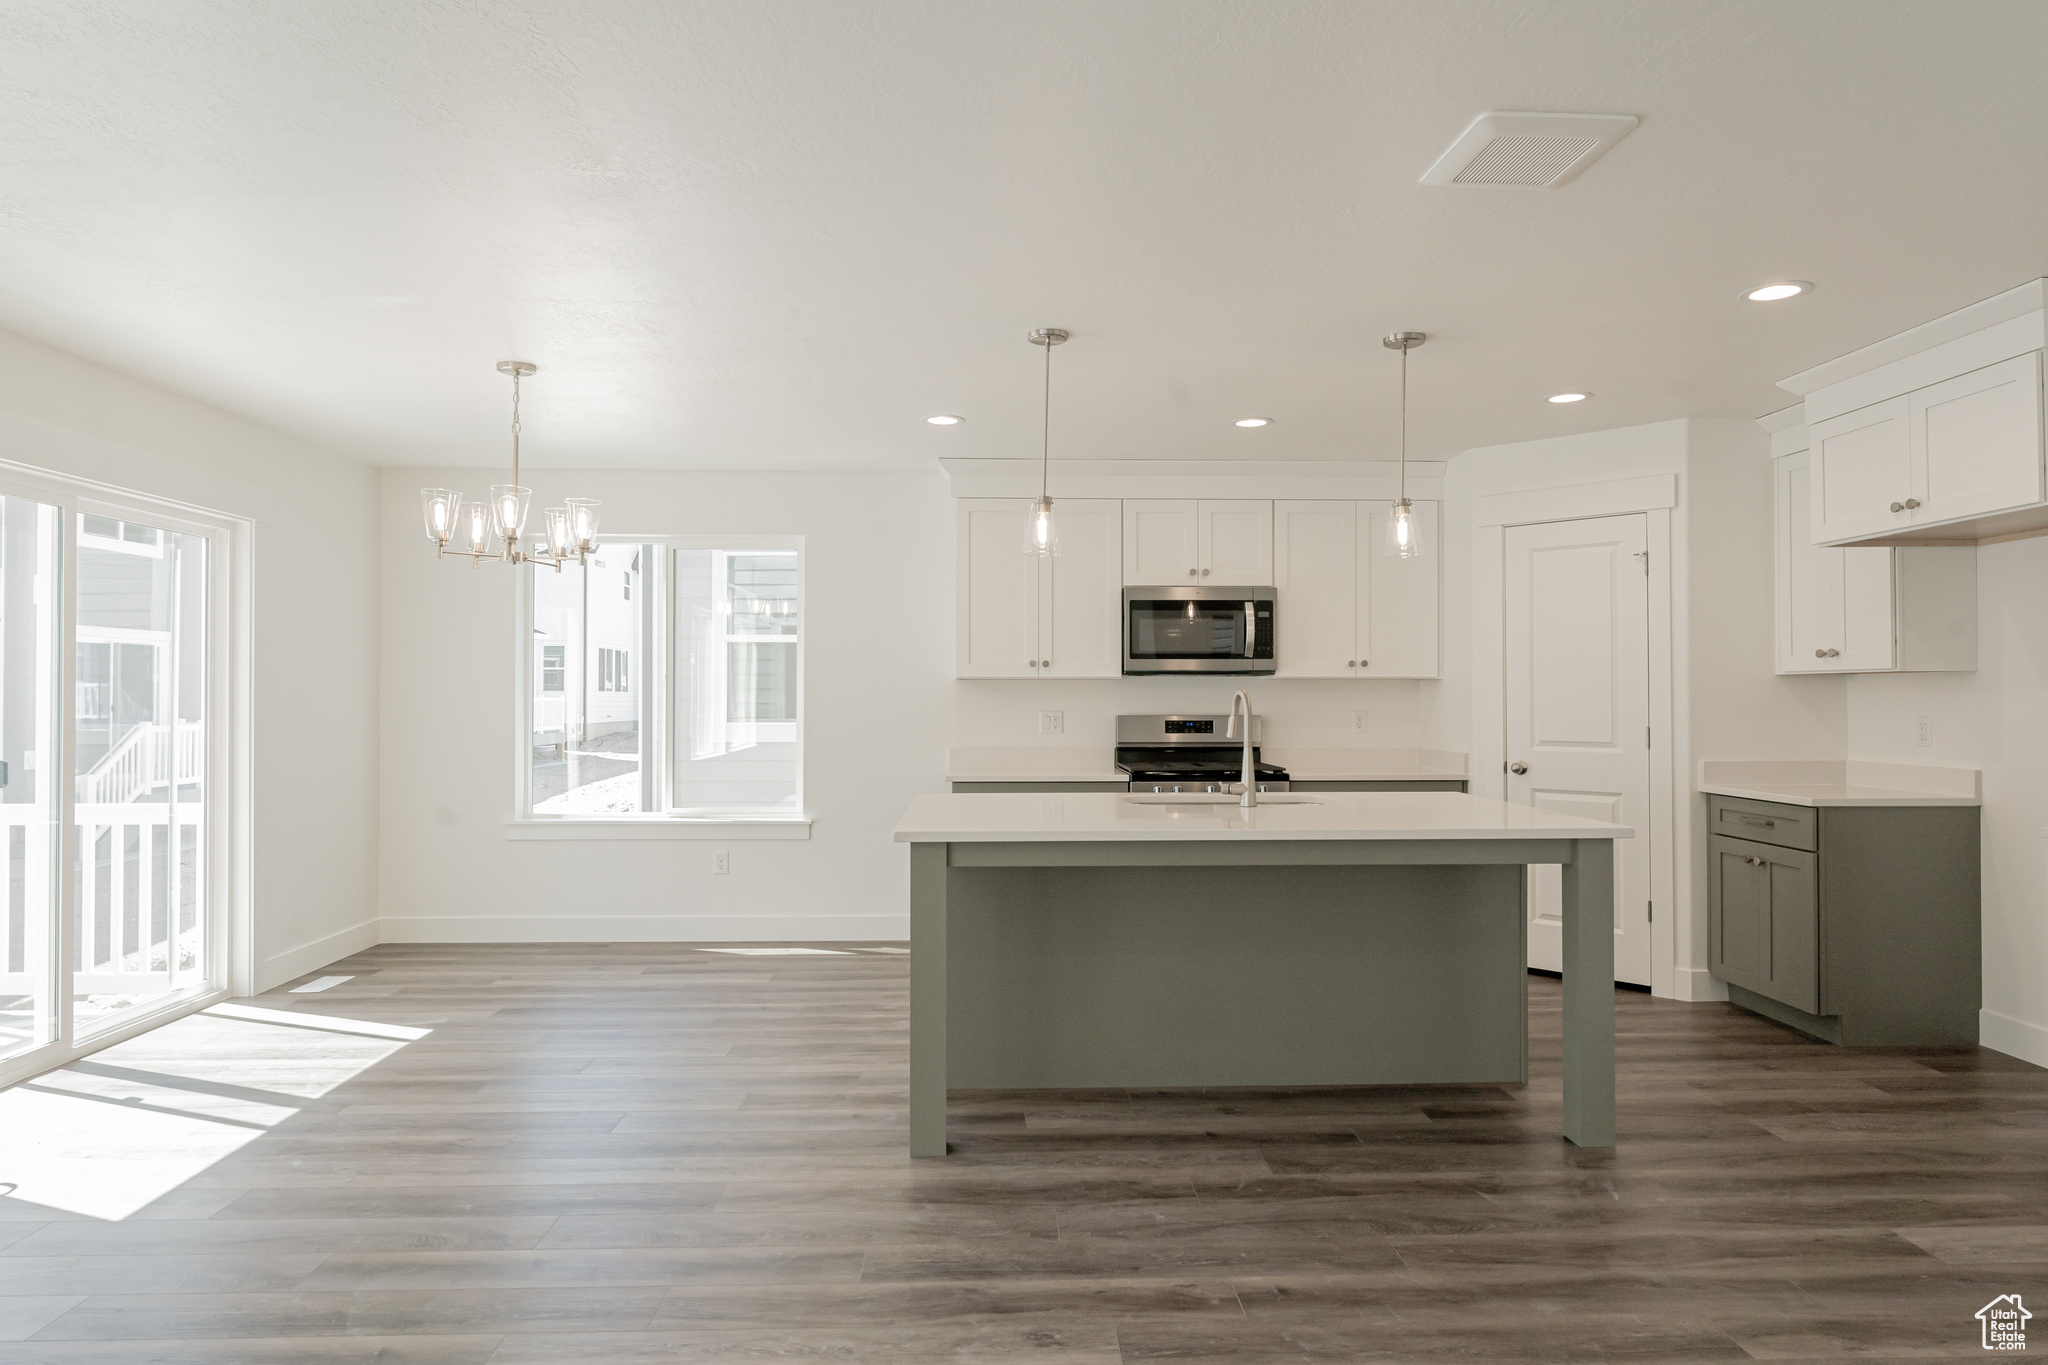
{"x": 1205, "y": 573}
{"x": 1032, "y": 662}
{"x": 1911, "y": 503}
{"x": 1820, "y": 654}
{"x": 1834, "y": 653}
{"x": 1898, "y": 507}
{"x": 1191, "y": 572}
{"x": 1518, "y": 768}
{"x": 1351, "y": 663}
{"x": 1045, "y": 663}
{"x": 1365, "y": 663}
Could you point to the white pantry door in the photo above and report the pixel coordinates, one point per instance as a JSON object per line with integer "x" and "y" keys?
{"x": 1578, "y": 695}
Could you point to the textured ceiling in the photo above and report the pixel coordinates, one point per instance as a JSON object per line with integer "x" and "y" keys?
{"x": 777, "y": 233}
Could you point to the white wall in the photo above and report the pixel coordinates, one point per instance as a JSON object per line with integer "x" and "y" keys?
{"x": 878, "y": 676}
{"x": 314, "y": 604}
{"x": 1995, "y": 719}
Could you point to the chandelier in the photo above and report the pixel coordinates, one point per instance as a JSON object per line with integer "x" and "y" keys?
{"x": 568, "y": 532}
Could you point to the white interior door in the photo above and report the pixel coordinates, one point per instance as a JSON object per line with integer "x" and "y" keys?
{"x": 1578, "y": 709}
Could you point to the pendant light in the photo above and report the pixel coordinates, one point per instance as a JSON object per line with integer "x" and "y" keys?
{"x": 1404, "y": 532}
{"x": 568, "y": 532}
{"x": 1041, "y": 533}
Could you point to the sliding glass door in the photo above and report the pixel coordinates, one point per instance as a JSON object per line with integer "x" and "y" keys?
{"x": 30, "y": 790}
{"x": 139, "y": 923}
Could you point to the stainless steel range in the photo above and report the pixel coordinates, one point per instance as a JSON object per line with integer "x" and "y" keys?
{"x": 1188, "y": 754}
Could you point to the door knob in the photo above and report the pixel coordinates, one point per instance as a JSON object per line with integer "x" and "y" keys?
{"x": 1518, "y": 768}
{"x": 1911, "y": 503}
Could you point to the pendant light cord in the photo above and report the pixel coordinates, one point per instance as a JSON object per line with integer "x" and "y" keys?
{"x": 515, "y": 425}
{"x": 1045, "y": 429}
{"x": 1404, "y": 424}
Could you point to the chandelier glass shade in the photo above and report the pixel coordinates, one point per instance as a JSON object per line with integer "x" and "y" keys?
{"x": 494, "y": 529}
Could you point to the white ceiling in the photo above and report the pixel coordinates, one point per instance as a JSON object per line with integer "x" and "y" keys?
{"x": 777, "y": 233}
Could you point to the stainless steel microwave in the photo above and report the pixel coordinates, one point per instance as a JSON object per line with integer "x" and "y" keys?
{"x": 1198, "y": 630}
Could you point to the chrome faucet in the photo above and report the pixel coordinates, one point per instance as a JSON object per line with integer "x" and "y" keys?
{"x": 1251, "y": 767}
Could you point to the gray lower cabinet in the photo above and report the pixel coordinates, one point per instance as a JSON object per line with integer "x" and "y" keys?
{"x": 1856, "y": 924}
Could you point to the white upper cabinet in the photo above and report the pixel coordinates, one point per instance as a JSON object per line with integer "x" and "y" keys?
{"x": 1080, "y": 596}
{"x": 1235, "y": 542}
{"x": 1315, "y": 578}
{"x": 1028, "y": 616}
{"x": 1933, "y": 436}
{"x": 1977, "y": 441}
{"x": 1345, "y": 609}
{"x": 1865, "y": 459}
{"x": 1181, "y": 540}
{"x": 1866, "y": 610}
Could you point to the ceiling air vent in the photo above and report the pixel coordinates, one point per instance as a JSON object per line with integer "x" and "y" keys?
{"x": 1527, "y": 149}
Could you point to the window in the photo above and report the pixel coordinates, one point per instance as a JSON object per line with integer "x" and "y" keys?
{"x": 717, "y": 730}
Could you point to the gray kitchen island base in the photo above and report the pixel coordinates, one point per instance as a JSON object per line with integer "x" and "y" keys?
{"x": 1308, "y": 962}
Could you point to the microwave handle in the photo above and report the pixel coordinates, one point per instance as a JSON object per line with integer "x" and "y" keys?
{"x": 1251, "y": 628}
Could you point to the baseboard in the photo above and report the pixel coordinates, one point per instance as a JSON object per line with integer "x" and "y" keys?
{"x": 1697, "y": 983}
{"x": 2013, "y": 1037}
{"x": 309, "y": 957}
{"x": 645, "y": 929}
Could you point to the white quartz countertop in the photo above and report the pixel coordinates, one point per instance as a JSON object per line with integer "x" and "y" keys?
{"x": 1306, "y": 764}
{"x": 1114, "y": 816}
{"x": 1842, "y": 782}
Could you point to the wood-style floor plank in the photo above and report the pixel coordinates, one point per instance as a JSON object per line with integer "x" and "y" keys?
{"x": 602, "y": 1154}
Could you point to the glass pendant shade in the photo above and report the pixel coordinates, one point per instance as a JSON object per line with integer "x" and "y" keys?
{"x": 556, "y": 523}
{"x": 582, "y": 523}
{"x": 1041, "y": 531}
{"x": 508, "y": 509}
{"x": 1404, "y": 532}
{"x": 476, "y": 524}
{"x": 441, "y": 508}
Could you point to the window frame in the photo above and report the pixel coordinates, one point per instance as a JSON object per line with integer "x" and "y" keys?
{"x": 650, "y": 674}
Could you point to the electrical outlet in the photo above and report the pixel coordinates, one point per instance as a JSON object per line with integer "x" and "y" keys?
{"x": 1924, "y": 735}
{"x": 721, "y": 863}
{"x": 1051, "y": 722}
{"x": 1358, "y": 720}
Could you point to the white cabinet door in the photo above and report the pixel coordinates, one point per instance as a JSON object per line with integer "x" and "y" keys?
{"x": 1081, "y": 594}
{"x": 1977, "y": 441}
{"x": 1315, "y": 574}
{"x": 1397, "y": 598}
{"x": 1863, "y": 463}
{"x": 1160, "y": 541}
{"x": 1835, "y": 612}
{"x": 997, "y": 586}
{"x": 1235, "y": 542}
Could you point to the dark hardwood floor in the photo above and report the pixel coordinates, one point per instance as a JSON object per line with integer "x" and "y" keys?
{"x": 649, "y": 1152}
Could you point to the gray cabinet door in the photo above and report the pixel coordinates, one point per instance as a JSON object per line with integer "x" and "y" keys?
{"x": 1763, "y": 920}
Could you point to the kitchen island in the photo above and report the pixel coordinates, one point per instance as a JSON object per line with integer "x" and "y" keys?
{"x": 1167, "y": 941}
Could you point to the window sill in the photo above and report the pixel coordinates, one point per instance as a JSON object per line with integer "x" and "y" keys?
{"x": 663, "y": 827}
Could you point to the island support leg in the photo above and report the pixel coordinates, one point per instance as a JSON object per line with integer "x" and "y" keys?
{"x": 928, "y": 999}
{"x": 1589, "y": 994}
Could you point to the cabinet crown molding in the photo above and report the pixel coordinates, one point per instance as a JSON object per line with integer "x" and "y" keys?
{"x": 2031, "y": 297}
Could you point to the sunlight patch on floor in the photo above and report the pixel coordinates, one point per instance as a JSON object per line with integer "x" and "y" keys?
{"x": 114, "y": 1132}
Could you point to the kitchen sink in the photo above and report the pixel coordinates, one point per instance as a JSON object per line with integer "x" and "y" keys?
{"x": 1227, "y": 799}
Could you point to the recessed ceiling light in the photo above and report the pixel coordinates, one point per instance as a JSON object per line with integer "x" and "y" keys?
{"x": 1780, "y": 289}
{"x": 1253, "y": 422}
{"x": 945, "y": 419}
{"x": 1569, "y": 397}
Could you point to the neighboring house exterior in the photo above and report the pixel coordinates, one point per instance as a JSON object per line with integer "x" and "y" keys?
{"x": 586, "y": 677}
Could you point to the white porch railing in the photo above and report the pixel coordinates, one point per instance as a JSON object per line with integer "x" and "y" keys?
{"x": 142, "y": 762}
{"x": 141, "y": 888}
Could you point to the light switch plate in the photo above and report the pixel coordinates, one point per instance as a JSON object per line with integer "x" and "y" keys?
{"x": 1051, "y": 722}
